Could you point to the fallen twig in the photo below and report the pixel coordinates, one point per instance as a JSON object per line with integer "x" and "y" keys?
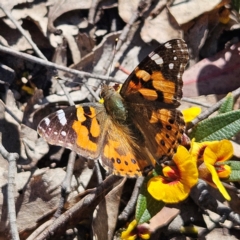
{"x": 129, "y": 208}
{"x": 11, "y": 158}
{"x": 54, "y": 65}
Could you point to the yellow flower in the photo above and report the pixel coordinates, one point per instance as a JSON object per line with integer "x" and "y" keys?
{"x": 177, "y": 181}
{"x": 197, "y": 149}
{"x": 214, "y": 156}
{"x": 190, "y": 113}
{"x": 210, "y": 157}
{"x": 133, "y": 231}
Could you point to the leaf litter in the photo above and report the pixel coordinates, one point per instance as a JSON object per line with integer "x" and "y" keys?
{"x": 81, "y": 35}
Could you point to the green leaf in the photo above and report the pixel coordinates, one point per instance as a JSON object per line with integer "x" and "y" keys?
{"x": 235, "y": 165}
{"x": 227, "y": 105}
{"x": 235, "y": 173}
{"x": 223, "y": 126}
{"x": 234, "y": 176}
{"x": 147, "y": 206}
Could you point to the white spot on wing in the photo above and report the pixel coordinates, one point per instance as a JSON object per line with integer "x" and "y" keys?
{"x": 157, "y": 59}
{"x": 61, "y": 117}
{"x": 63, "y": 133}
{"x": 171, "y": 65}
{"x": 168, "y": 45}
{"x": 47, "y": 121}
{"x": 175, "y": 58}
{"x": 55, "y": 133}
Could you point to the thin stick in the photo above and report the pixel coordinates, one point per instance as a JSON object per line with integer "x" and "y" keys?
{"x": 56, "y": 66}
{"x": 40, "y": 229}
{"x": 9, "y": 111}
{"x": 11, "y": 158}
{"x": 66, "y": 184}
{"x": 92, "y": 11}
{"x": 60, "y": 82}
{"x": 128, "y": 210}
{"x": 190, "y": 100}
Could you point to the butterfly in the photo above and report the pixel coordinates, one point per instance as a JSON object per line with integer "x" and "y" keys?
{"x": 135, "y": 129}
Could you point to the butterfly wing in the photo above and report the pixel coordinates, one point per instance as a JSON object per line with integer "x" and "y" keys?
{"x": 152, "y": 92}
{"x": 120, "y": 155}
{"x": 78, "y": 128}
{"x": 90, "y": 132}
{"x": 157, "y": 80}
{"x": 162, "y": 130}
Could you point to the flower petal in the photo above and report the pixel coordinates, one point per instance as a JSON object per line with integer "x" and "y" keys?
{"x": 223, "y": 150}
{"x": 127, "y": 234}
{"x": 172, "y": 192}
{"x": 190, "y": 113}
{"x": 224, "y": 172}
{"x": 179, "y": 188}
{"x": 186, "y": 166}
{"x": 217, "y": 181}
{"x": 197, "y": 149}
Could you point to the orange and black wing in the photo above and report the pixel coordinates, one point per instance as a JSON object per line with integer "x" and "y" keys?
{"x": 78, "y": 128}
{"x": 157, "y": 80}
{"x": 152, "y": 93}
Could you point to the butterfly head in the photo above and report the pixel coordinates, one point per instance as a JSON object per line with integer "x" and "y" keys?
{"x": 106, "y": 92}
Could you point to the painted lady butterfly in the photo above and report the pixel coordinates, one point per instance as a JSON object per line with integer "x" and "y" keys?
{"x": 132, "y": 131}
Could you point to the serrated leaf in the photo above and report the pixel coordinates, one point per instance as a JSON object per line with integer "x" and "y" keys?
{"x": 227, "y": 105}
{"x": 223, "y": 126}
{"x": 147, "y": 206}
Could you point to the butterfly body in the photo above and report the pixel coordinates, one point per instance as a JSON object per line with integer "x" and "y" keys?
{"x": 114, "y": 104}
{"x": 134, "y": 129}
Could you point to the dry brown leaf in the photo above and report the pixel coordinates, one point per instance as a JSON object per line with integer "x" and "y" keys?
{"x": 37, "y": 12}
{"x": 58, "y": 8}
{"x": 85, "y": 44}
{"x": 106, "y": 213}
{"x": 96, "y": 62}
{"x": 185, "y": 11}
{"x": 126, "y": 9}
{"x": 39, "y": 197}
{"x": 10, "y": 4}
{"x": 14, "y": 39}
{"x": 34, "y": 146}
{"x": 12, "y": 36}
{"x": 162, "y": 218}
{"x": 195, "y": 36}
{"x": 161, "y": 28}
